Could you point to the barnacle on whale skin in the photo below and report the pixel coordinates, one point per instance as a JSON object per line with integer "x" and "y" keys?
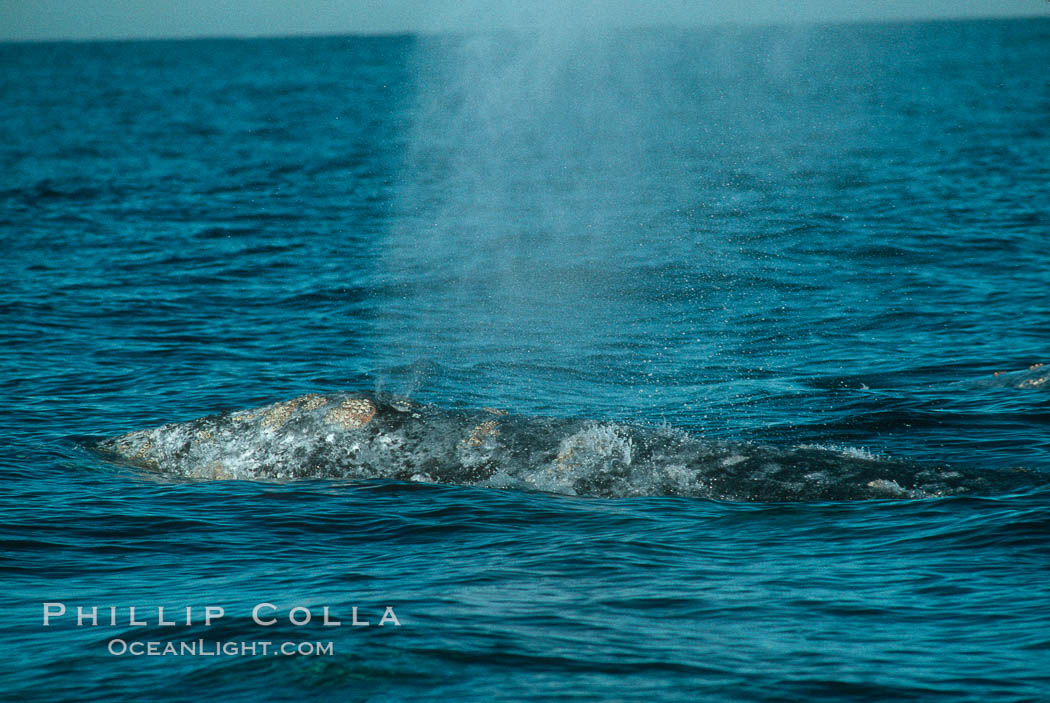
{"x": 352, "y": 414}
{"x": 478, "y": 434}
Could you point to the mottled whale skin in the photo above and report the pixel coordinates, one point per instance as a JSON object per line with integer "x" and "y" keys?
{"x": 369, "y": 435}
{"x": 1035, "y": 376}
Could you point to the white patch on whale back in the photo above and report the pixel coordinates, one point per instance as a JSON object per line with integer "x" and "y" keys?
{"x": 891, "y": 489}
{"x": 598, "y": 452}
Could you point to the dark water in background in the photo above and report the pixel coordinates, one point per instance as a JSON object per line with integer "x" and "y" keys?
{"x": 795, "y": 236}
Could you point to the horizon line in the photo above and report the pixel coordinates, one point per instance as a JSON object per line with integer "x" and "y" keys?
{"x": 383, "y": 34}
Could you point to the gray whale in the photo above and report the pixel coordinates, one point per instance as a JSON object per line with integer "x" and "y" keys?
{"x": 369, "y": 435}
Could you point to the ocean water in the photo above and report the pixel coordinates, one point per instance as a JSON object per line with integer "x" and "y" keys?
{"x": 829, "y": 237}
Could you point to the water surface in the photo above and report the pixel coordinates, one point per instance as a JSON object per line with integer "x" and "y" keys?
{"x": 826, "y": 236}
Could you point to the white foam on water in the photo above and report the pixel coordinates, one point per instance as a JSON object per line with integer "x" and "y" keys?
{"x": 846, "y": 451}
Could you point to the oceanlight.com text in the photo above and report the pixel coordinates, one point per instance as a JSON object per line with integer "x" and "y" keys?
{"x": 204, "y": 648}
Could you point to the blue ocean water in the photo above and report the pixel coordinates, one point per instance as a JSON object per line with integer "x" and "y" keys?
{"x": 826, "y": 235}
